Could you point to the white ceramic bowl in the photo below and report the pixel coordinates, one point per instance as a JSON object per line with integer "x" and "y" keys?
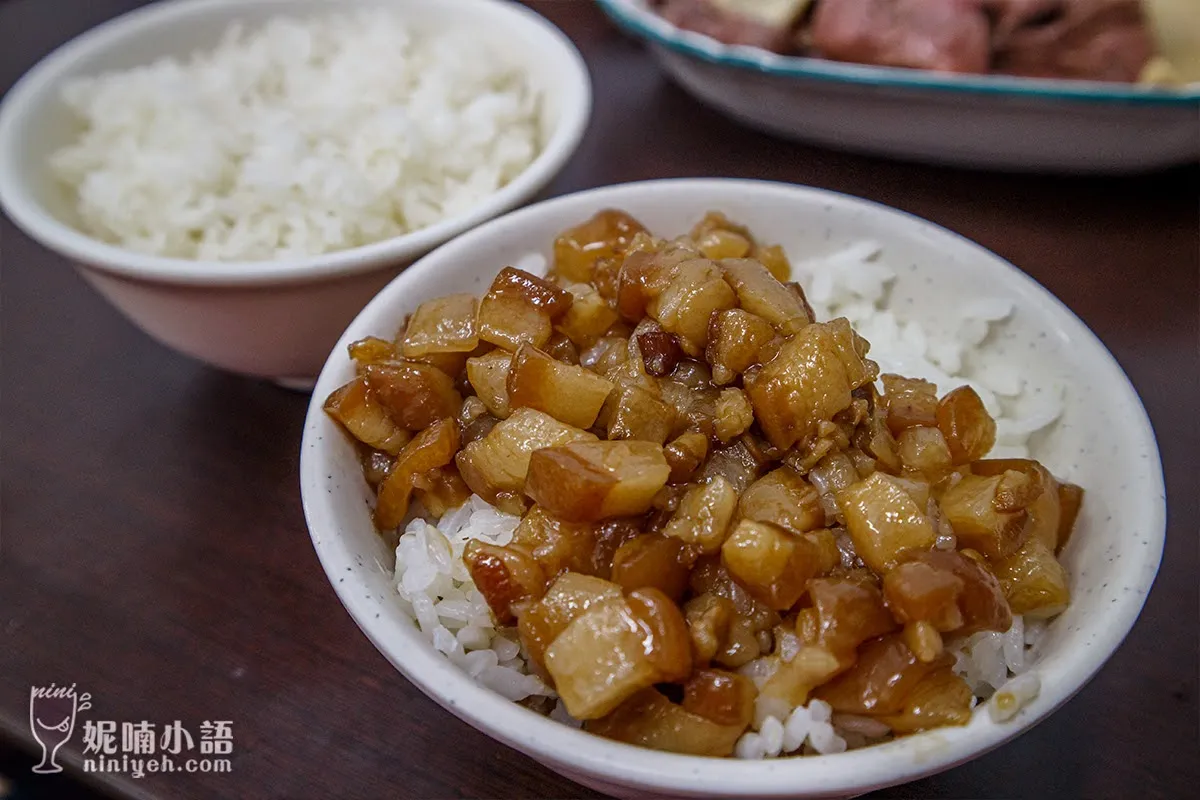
{"x": 1104, "y": 442}
{"x": 275, "y": 319}
{"x": 990, "y": 121}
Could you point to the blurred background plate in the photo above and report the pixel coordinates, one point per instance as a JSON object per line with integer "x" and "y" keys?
{"x": 988, "y": 121}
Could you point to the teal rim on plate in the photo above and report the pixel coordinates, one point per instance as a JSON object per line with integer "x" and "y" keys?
{"x": 634, "y": 17}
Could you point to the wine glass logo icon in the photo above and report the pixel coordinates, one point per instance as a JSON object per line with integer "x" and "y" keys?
{"x": 52, "y": 712}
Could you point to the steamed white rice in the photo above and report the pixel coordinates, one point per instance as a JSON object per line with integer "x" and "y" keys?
{"x": 296, "y": 138}
{"x": 434, "y": 585}
{"x": 436, "y": 591}
{"x": 854, "y": 283}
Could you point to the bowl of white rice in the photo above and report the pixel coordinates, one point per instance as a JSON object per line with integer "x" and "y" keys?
{"x": 933, "y": 305}
{"x": 240, "y": 176}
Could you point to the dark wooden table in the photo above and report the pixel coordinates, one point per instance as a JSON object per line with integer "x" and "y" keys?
{"x": 155, "y": 553}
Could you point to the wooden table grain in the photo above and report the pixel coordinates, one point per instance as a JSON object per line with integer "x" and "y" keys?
{"x": 155, "y": 553}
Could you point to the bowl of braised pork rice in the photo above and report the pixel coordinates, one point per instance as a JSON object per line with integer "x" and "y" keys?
{"x": 731, "y": 488}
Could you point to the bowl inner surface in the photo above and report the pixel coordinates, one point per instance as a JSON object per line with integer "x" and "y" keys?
{"x": 1103, "y": 442}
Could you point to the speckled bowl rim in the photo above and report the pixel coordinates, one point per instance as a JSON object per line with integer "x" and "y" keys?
{"x": 585, "y": 756}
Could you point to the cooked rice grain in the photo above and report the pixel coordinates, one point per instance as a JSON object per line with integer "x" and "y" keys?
{"x": 297, "y": 138}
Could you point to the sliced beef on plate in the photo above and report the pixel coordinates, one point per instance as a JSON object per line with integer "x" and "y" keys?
{"x": 945, "y": 35}
{"x": 1105, "y": 40}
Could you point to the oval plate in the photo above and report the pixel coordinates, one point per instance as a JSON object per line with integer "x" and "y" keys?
{"x": 989, "y": 121}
